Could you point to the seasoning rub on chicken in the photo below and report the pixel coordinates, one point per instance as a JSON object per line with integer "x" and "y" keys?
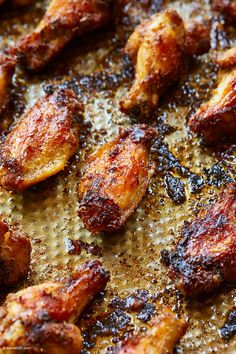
{"x": 158, "y": 48}
{"x": 165, "y": 331}
{"x": 15, "y": 255}
{"x": 7, "y": 69}
{"x": 63, "y": 20}
{"x": 116, "y": 179}
{"x": 41, "y": 142}
{"x": 40, "y": 318}
{"x": 216, "y": 119}
{"x": 206, "y": 254}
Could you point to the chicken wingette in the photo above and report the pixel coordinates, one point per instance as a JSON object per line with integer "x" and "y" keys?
{"x": 216, "y": 119}
{"x": 63, "y": 20}
{"x": 158, "y": 49}
{"x": 116, "y": 179}
{"x": 40, "y": 318}
{"x": 15, "y": 255}
{"x": 165, "y": 331}
{"x": 7, "y": 69}
{"x": 205, "y": 256}
{"x": 41, "y": 142}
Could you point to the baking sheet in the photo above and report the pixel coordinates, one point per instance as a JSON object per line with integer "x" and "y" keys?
{"x": 95, "y": 68}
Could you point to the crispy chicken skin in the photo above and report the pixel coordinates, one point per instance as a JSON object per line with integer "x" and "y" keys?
{"x": 165, "y": 331}
{"x": 40, "y": 318}
{"x": 15, "y": 255}
{"x": 63, "y": 20}
{"x": 158, "y": 48}
{"x": 41, "y": 142}
{"x": 227, "y": 7}
{"x": 216, "y": 119}
{"x": 7, "y": 69}
{"x": 206, "y": 253}
{"x": 116, "y": 179}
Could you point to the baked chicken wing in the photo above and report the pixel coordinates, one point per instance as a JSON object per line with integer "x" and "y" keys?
{"x": 15, "y": 254}
{"x": 227, "y": 7}
{"x": 116, "y": 179}
{"x": 158, "y": 48}
{"x": 41, "y": 142}
{"x": 164, "y": 332}
{"x": 216, "y": 119}
{"x": 206, "y": 253}
{"x": 40, "y": 318}
{"x": 7, "y": 69}
{"x": 63, "y": 20}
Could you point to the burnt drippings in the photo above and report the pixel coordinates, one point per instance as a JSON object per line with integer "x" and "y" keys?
{"x": 107, "y": 324}
{"x": 217, "y": 175}
{"x": 139, "y": 302}
{"x": 166, "y": 163}
{"x": 75, "y": 247}
{"x": 175, "y": 188}
{"x": 229, "y": 328}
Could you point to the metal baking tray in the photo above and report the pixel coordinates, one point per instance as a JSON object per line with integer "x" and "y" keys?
{"x": 95, "y": 67}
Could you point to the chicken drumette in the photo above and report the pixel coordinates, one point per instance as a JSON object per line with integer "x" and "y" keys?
{"x": 164, "y": 332}
{"x": 40, "y": 318}
{"x": 41, "y": 142}
{"x": 158, "y": 48}
{"x": 216, "y": 119}
{"x": 15, "y": 254}
{"x": 116, "y": 179}
{"x": 62, "y": 21}
{"x": 206, "y": 254}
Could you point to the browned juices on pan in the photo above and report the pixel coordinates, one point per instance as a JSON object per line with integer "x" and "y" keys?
{"x": 216, "y": 119}
{"x": 15, "y": 255}
{"x": 206, "y": 254}
{"x": 41, "y": 142}
{"x": 227, "y": 7}
{"x": 165, "y": 331}
{"x": 158, "y": 48}
{"x": 7, "y": 68}
{"x": 63, "y": 20}
{"x": 116, "y": 179}
{"x": 41, "y": 317}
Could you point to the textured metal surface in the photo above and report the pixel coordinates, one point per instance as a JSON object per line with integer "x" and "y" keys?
{"x": 48, "y": 212}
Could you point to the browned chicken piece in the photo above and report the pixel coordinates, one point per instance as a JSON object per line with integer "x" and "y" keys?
{"x": 42, "y": 141}
{"x": 227, "y": 7}
{"x": 7, "y": 69}
{"x": 40, "y": 318}
{"x": 63, "y": 20}
{"x": 15, "y": 254}
{"x": 164, "y": 332}
{"x": 216, "y": 119}
{"x": 158, "y": 49}
{"x": 206, "y": 254}
{"x": 116, "y": 179}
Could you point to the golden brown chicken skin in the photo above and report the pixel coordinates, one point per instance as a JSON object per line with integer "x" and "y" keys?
{"x": 40, "y": 318}
{"x": 15, "y": 255}
{"x": 206, "y": 254}
{"x": 116, "y": 179}
{"x": 165, "y": 331}
{"x": 216, "y": 119}
{"x": 42, "y": 141}
{"x": 63, "y": 20}
{"x": 7, "y": 69}
{"x": 227, "y": 7}
{"x": 158, "y": 49}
